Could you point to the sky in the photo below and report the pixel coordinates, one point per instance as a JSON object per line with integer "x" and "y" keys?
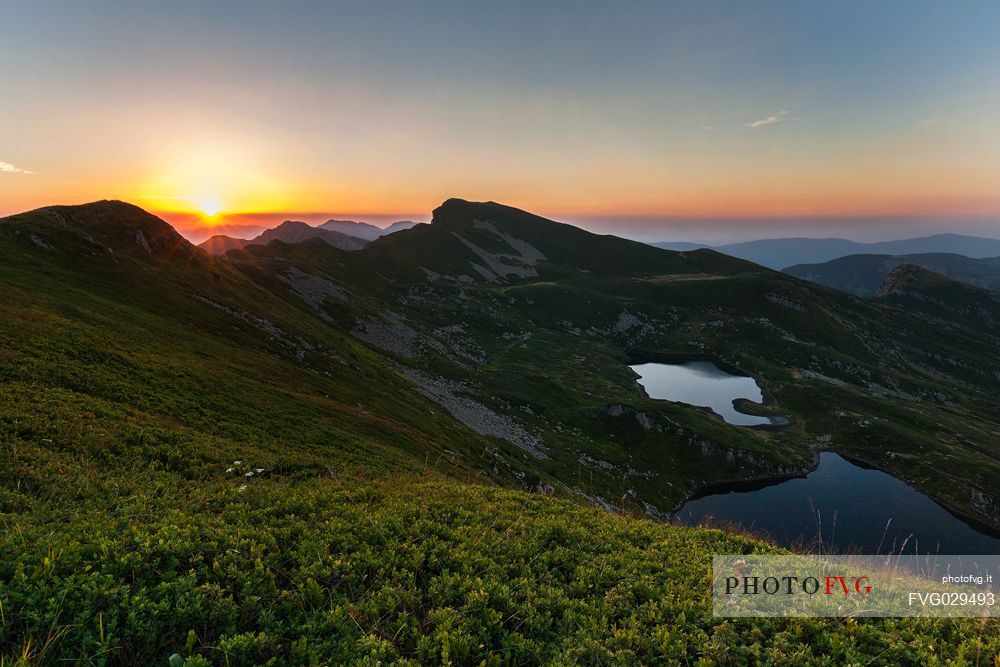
{"x": 661, "y": 120}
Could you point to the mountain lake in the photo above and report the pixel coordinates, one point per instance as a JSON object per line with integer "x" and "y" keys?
{"x": 841, "y": 507}
{"x": 703, "y": 384}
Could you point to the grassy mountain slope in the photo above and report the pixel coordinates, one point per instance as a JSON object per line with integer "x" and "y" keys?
{"x": 862, "y": 275}
{"x": 178, "y": 340}
{"x": 401, "y": 570}
{"x": 374, "y": 400}
{"x": 537, "y": 321}
{"x": 942, "y": 298}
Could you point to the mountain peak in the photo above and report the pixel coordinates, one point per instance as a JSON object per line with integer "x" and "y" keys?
{"x": 106, "y": 226}
{"x": 220, "y": 244}
{"x": 496, "y": 243}
{"x": 294, "y": 224}
{"x": 455, "y": 210}
{"x": 109, "y": 213}
{"x": 364, "y": 230}
{"x": 106, "y": 205}
{"x": 905, "y": 278}
{"x": 917, "y": 289}
{"x": 294, "y": 231}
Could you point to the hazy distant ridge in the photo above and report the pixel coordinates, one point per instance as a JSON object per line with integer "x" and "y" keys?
{"x": 363, "y": 230}
{"x": 343, "y": 234}
{"x": 863, "y": 275}
{"x": 785, "y": 252}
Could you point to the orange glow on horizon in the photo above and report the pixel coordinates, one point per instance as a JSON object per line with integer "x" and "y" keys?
{"x": 206, "y": 214}
{"x": 233, "y": 128}
{"x": 850, "y": 200}
{"x": 213, "y": 183}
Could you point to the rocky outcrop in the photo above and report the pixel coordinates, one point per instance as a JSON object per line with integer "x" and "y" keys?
{"x": 645, "y": 422}
{"x": 452, "y": 397}
{"x": 786, "y": 301}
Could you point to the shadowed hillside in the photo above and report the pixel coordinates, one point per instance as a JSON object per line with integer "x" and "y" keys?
{"x": 921, "y": 291}
{"x": 782, "y": 253}
{"x": 289, "y": 231}
{"x": 862, "y": 275}
{"x": 535, "y": 321}
{"x": 297, "y": 454}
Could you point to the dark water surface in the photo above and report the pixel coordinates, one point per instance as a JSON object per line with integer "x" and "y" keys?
{"x": 846, "y": 507}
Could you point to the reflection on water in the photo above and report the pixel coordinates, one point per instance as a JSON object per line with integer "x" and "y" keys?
{"x": 704, "y": 384}
{"x": 844, "y": 507}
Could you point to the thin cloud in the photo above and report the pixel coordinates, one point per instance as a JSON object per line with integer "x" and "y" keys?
{"x": 927, "y": 122}
{"x": 8, "y": 168}
{"x": 770, "y": 120}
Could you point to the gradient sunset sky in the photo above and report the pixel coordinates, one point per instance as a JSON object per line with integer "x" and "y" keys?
{"x": 698, "y": 120}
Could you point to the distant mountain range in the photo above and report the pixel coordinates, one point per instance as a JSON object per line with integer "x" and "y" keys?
{"x": 343, "y": 234}
{"x": 291, "y": 231}
{"x": 785, "y": 252}
{"x": 196, "y": 232}
{"x": 863, "y": 275}
{"x": 363, "y": 230}
{"x": 220, "y": 244}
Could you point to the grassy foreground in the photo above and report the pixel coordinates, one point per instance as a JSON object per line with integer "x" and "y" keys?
{"x": 402, "y": 569}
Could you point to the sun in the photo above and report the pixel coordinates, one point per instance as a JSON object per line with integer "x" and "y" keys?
{"x": 209, "y": 206}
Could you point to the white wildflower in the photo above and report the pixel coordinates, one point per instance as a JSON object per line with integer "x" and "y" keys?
{"x": 243, "y": 488}
{"x": 229, "y": 469}
{"x": 249, "y": 474}
{"x": 259, "y": 470}
{"x": 237, "y": 463}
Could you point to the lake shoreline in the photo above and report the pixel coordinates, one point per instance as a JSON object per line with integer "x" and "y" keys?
{"x": 974, "y": 522}
{"x": 642, "y": 356}
{"x": 758, "y": 482}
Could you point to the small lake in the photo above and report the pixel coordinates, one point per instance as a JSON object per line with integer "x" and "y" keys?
{"x": 703, "y": 384}
{"x": 847, "y": 506}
